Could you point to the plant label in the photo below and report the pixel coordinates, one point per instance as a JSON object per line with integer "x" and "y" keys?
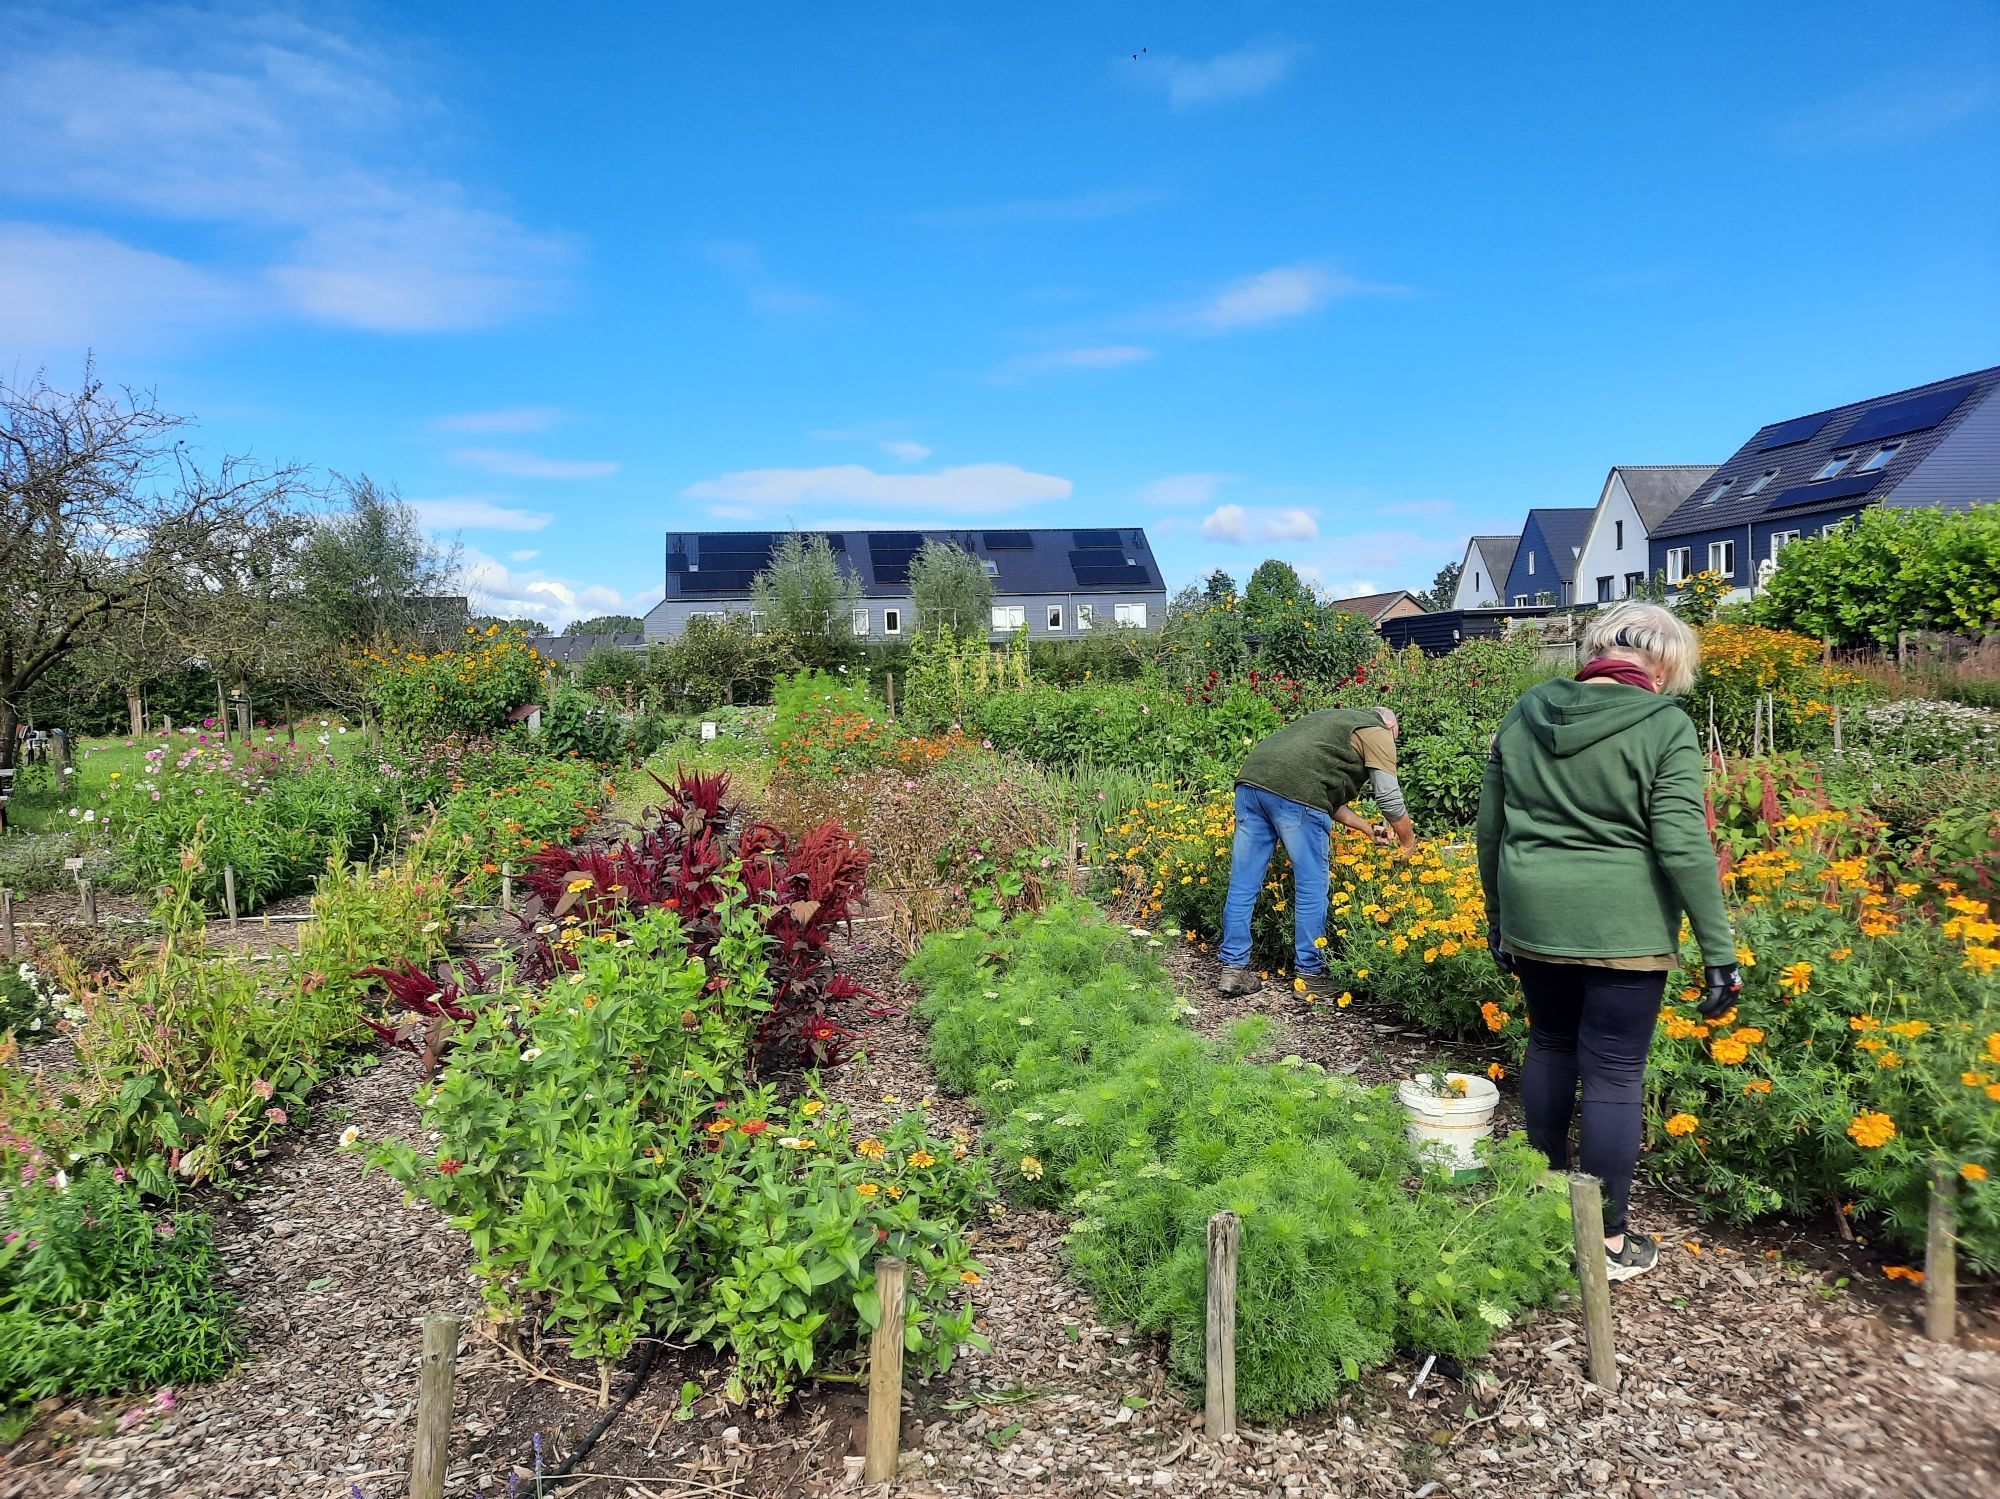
{"x": 73, "y": 865}
{"x": 707, "y": 730}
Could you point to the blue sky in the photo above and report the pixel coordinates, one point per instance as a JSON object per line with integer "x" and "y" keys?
{"x": 1341, "y": 284}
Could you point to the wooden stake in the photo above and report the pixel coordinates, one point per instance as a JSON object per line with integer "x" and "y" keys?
{"x": 434, "y": 1402}
{"x": 1836, "y": 728}
{"x": 889, "y": 682}
{"x": 506, "y": 887}
{"x": 1586, "y": 1219}
{"x": 885, "y": 1374}
{"x": 1219, "y": 1395}
{"x": 229, "y": 893}
{"x": 89, "y": 902}
{"x": 7, "y": 921}
{"x": 1941, "y": 1258}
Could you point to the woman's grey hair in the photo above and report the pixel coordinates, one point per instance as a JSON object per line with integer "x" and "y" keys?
{"x": 1650, "y": 631}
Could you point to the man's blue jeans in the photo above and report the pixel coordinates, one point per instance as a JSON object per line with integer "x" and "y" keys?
{"x": 1262, "y": 822}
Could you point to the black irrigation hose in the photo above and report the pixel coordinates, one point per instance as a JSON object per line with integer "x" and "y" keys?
{"x": 568, "y": 1464}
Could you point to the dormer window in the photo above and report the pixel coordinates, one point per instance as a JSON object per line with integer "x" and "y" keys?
{"x": 1719, "y": 491}
{"x": 1832, "y": 466}
{"x": 1762, "y": 479}
{"x": 1880, "y": 460}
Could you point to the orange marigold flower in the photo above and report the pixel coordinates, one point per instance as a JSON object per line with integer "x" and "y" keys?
{"x": 1871, "y": 1129}
{"x": 1796, "y": 979}
{"x": 1495, "y": 1017}
{"x": 1682, "y": 1124}
{"x": 1758, "y": 1085}
{"x": 1903, "y": 1272}
{"x": 1972, "y": 1171}
{"x": 922, "y": 1158}
{"x": 1728, "y": 1051}
{"x": 1495, "y": 1071}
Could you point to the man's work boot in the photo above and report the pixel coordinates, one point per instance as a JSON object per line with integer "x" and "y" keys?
{"x": 1235, "y": 981}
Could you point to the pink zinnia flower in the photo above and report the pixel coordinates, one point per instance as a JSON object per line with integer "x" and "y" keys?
{"x": 262, "y": 1088}
{"x": 279, "y": 1116}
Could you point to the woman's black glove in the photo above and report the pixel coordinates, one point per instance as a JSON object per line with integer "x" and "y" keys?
{"x": 1502, "y": 959}
{"x": 1724, "y": 984}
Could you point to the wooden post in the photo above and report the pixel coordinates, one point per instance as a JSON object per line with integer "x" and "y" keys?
{"x": 434, "y": 1402}
{"x": 135, "y": 711}
{"x": 506, "y": 887}
{"x": 1586, "y": 1220}
{"x": 1836, "y": 728}
{"x": 222, "y": 710}
{"x": 89, "y": 902}
{"x": 229, "y": 893}
{"x": 885, "y": 1374}
{"x": 7, "y": 922}
{"x": 1941, "y": 1258}
{"x": 63, "y": 756}
{"x": 1219, "y": 1395}
{"x": 889, "y": 684}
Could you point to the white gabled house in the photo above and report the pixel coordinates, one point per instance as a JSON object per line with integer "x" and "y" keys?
{"x": 1636, "y": 498}
{"x": 1488, "y": 560}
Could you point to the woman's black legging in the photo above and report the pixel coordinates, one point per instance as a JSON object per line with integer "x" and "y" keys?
{"x": 1594, "y": 1026}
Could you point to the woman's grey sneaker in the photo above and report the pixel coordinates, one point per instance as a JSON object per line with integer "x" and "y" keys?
{"x": 1638, "y": 1255}
{"x": 1238, "y": 981}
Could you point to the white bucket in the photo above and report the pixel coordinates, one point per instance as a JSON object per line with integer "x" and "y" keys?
{"x": 1446, "y": 1131}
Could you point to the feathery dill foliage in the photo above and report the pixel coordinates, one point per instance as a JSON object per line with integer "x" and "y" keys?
{"x": 1099, "y": 1102}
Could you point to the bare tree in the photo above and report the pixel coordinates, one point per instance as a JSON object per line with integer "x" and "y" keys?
{"x": 111, "y": 535}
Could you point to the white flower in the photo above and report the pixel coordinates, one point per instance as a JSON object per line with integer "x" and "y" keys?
{"x": 531, "y": 1053}
{"x": 432, "y": 926}
{"x": 1027, "y": 1020}
{"x": 90, "y": 814}
{"x": 62, "y": 1181}
{"x": 349, "y": 1135}
{"x": 992, "y": 993}
{"x": 322, "y": 723}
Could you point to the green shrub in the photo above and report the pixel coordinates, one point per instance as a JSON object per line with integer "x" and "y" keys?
{"x": 600, "y": 1146}
{"x": 424, "y": 696}
{"x": 98, "y": 1295}
{"x": 580, "y": 724}
{"x": 1065, "y": 1030}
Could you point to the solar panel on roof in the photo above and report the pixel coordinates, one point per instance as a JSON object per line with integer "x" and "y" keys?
{"x": 1008, "y": 541}
{"x": 1097, "y": 540}
{"x": 1827, "y": 489}
{"x": 1912, "y": 414}
{"x": 890, "y": 553}
{"x": 1798, "y": 429}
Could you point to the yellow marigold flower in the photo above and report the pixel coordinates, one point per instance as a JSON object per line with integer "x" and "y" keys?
{"x": 1031, "y": 1168}
{"x": 969, "y": 1277}
{"x": 1974, "y": 1079}
{"x": 1749, "y": 1035}
{"x": 1840, "y": 954}
{"x": 1871, "y": 1129}
{"x": 1495, "y": 1071}
{"x": 1728, "y": 1051}
{"x": 1683, "y": 1124}
{"x": 1796, "y": 979}
{"x": 922, "y": 1158}
{"x": 1862, "y": 1022}
{"x": 870, "y": 1147}
{"x": 1910, "y": 1028}
{"x": 1758, "y": 1085}
{"x": 1494, "y": 1016}
{"x": 1972, "y": 1171}
{"x": 1993, "y": 1046}
{"x": 722, "y": 1126}
{"x": 811, "y": 1107}
{"x": 1993, "y": 1091}
{"x": 868, "y": 1189}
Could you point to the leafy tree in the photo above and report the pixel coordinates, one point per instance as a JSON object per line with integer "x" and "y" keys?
{"x": 606, "y": 624}
{"x": 951, "y": 590}
{"x": 1273, "y": 586}
{"x": 807, "y": 599}
{"x": 1218, "y": 586}
{"x": 110, "y": 534}
{"x": 371, "y": 575}
{"x": 1890, "y": 570}
{"x": 1443, "y": 586}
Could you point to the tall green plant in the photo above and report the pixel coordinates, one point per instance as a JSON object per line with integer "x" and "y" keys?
{"x": 951, "y": 590}
{"x": 807, "y": 598}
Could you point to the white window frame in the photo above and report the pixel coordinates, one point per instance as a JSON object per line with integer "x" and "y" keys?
{"x": 992, "y": 567}
{"x": 1008, "y": 617}
{"x": 1129, "y": 616}
{"x": 1880, "y": 458}
{"x": 1052, "y": 618}
{"x": 1520, "y": 601}
{"x": 858, "y": 619}
{"x": 1722, "y": 557}
{"x": 1780, "y": 540}
{"x": 1679, "y": 561}
{"x": 892, "y": 621}
{"x": 1831, "y": 468}
{"x": 1531, "y": 562}
{"x": 1086, "y": 616}
{"x": 1719, "y": 491}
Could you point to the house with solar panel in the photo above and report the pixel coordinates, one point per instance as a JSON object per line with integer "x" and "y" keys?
{"x": 1936, "y": 445}
{"x": 1057, "y": 584}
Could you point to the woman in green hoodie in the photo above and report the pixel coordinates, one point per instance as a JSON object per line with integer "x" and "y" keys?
{"x": 1593, "y": 842}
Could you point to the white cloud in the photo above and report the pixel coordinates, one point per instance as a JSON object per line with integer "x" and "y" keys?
{"x": 507, "y": 419}
{"x": 906, "y": 452}
{"x": 1290, "y": 525}
{"x": 732, "y": 512}
{"x": 1240, "y": 523}
{"x": 522, "y": 556}
{"x": 1191, "y": 82}
{"x": 1183, "y": 491}
{"x": 1077, "y": 208}
{"x": 518, "y": 463}
{"x": 1227, "y": 523}
{"x": 304, "y": 148}
{"x": 453, "y": 512}
{"x": 744, "y": 264}
{"x": 496, "y": 588}
{"x": 1282, "y": 292}
{"x": 1093, "y": 357}
{"x": 970, "y": 489}
{"x": 72, "y": 288}
{"x": 1887, "y": 111}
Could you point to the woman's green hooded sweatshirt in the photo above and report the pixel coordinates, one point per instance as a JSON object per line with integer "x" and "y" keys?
{"x": 1593, "y": 835}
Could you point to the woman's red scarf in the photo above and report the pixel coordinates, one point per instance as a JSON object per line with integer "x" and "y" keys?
{"x": 1631, "y": 673}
